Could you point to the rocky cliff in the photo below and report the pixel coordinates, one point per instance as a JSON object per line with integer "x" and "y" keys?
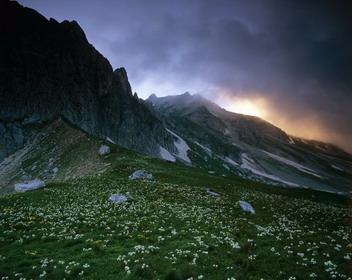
{"x": 49, "y": 69}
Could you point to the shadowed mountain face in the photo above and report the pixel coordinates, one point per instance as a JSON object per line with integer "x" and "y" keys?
{"x": 227, "y": 143}
{"x": 49, "y": 69}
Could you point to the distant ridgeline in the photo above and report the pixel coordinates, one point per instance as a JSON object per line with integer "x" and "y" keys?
{"x": 225, "y": 143}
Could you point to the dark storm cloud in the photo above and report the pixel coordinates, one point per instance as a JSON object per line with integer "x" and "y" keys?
{"x": 296, "y": 54}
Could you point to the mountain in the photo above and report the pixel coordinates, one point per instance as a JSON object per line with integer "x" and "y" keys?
{"x": 53, "y": 79}
{"x": 60, "y": 101}
{"x": 49, "y": 70}
{"x": 228, "y": 143}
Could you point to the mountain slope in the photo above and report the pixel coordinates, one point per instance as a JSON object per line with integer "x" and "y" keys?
{"x": 49, "y": 69}
{"x": 173, "y": 229}
{"x": 230, "y": 143}
{"x": 58, "y": 152}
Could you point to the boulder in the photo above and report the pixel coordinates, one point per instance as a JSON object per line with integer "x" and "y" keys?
{"x": 246, "y": 206}
{"x": 141, "y": 174}
{"x": 25, "y": 177}
{"x": 104, "y": 150}
{"x": 212, "y": 192}
{"x": 28, "y": 186}
{"x": 120, "y": 198}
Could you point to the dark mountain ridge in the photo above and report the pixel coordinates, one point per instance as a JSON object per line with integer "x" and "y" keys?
{"x": 50, "y": 70}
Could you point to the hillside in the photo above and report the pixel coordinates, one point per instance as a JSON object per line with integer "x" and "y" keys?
{"x": 226, "y": 143}
{"x": 173, "y": 229}
{"x": 57, "y": 152}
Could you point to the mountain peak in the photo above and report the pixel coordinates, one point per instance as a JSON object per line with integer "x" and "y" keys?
{"x": 62, "y": 75}
{"x": 152, "y": 98}
{"x": 186, "y": 101}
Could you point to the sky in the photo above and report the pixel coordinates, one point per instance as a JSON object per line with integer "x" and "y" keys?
{"x": 288, "y": 62}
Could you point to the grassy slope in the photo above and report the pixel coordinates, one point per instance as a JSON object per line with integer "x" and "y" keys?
{"x": 174, "y": 229}
{"x": 57, "y": 145}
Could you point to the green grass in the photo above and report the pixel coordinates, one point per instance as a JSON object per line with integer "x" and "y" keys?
{"x": 173, "y": 229}
{"x": 58, "y": 145}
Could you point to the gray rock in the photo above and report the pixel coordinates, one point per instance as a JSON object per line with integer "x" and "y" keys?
{"x": 120, "y": 198}
{"x": 28, "y": 186}
{"x": 212, "y": 192}
{"x": 104, "y": 150}
{"x": 141, "y": 174}
{"x": 55, "y": 170}
{"x": 246, "y": 206}
{"x": 25, "y": 177}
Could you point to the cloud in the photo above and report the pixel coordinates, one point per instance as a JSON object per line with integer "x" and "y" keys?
{"x": 294, "y": 54}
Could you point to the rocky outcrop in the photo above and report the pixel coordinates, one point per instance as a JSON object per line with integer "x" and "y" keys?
{"x": 104, "y": 150}
{"x": 141, "y": 174}
{"x": 120, "y": 198}
{"x": 29, "y": 186}
{"x": 48, "y": 69}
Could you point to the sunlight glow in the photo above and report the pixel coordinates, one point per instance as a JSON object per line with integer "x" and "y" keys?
{"x": 293, "y": 122}
{"x": 245, "y": 107}
{"x": 248, "y": 106}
